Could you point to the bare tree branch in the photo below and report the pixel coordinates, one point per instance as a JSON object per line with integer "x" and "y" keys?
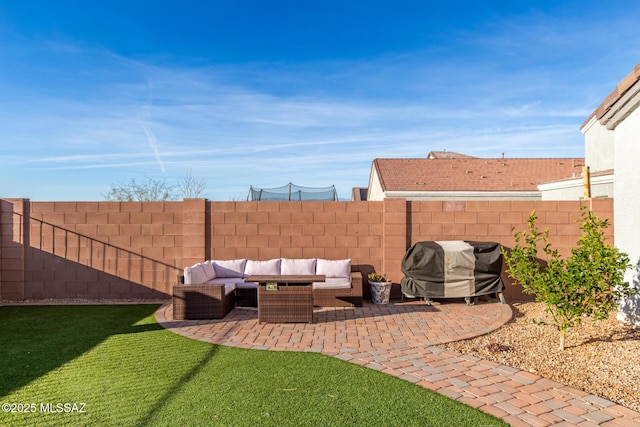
{"x": 151, "y": 190}
{"x": 191, "y": 187}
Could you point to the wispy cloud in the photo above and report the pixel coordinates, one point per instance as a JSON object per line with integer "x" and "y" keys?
{"x": 153, "y": 143}
{"x": 522, "y": 87}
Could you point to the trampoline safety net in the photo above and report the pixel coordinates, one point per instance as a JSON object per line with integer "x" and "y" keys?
{"x": 292, "y": 192}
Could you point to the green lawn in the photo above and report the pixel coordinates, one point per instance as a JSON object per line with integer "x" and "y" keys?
{"x": 121, "y": 368}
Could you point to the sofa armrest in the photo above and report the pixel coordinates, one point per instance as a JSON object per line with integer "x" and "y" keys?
{"x": 202, "y": 301}
{"x": 212, "y": 290}
{"x": 356, "y": 283}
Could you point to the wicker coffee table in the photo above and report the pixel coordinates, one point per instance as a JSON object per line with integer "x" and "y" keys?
{"x": 283, "y": 299}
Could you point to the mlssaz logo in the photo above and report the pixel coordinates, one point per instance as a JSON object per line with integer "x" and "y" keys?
{"x": 63, "y": 407}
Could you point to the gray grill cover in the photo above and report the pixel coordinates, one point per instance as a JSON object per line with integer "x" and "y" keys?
{"x": 452, "y": 269}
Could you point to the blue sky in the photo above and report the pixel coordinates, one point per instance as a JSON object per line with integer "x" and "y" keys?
{"x": 265, "y": 93}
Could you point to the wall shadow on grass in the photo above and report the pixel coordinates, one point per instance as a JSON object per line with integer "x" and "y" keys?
{"x": 178, "y": 385}
{"x": 36, "y": 340}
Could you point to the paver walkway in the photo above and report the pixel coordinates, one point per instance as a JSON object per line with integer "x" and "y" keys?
{"x": 401, "y": 339}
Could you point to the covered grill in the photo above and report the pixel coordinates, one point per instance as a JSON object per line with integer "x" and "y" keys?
{"x": 452, "y": 269}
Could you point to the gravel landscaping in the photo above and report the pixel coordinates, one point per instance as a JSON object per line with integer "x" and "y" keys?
{"x": 602, "y": 358}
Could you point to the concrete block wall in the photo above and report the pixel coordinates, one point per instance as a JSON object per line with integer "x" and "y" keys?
{"x": 312, "y": 229}
{"x": 12, "y": 248}
{"x": 99, "y": 249}
{"x": 136, "y": 250}
{"x": 495, "y": 221}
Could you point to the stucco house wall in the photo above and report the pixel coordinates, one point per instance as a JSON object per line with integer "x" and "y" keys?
{"x": 375, "y": 193}
{"x": 598, "y": 146}
{"x": 626, "y": 202}
{"x": 614, "y": 129}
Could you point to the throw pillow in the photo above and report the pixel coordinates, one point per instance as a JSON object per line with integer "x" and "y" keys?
{"x": 229, "y": 268}
{"x": 195, "y": 275}
{"x": 269, "y": 267}
{"x": 209, "y": 270}
{"x": 334, "y": 268}
{"x": 298, "y": 266}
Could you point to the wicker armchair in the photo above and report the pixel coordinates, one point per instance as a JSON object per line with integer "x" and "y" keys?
{"x": 204, "y": 301}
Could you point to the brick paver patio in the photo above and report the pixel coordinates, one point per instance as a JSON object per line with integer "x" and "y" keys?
{"x": 401, "y": 339}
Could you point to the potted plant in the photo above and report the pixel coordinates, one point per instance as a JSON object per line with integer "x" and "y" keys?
{"x": 380, "y": 288}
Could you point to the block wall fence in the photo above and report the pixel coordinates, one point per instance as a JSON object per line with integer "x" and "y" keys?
{"x": 135, "y": 250}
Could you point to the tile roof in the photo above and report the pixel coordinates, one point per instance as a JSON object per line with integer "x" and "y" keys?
{"x": 616, "y": 94}
{"x": 473, "y": 174}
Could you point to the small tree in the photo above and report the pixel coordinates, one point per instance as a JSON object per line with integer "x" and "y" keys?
{"x": 156, "y": 190}
{"x": 191, "y": 187}
{"x": 588, "y": 283}
{"x": 151, "y": 190}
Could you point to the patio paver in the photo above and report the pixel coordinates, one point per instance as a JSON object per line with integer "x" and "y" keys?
{"x": 402, "y": 339}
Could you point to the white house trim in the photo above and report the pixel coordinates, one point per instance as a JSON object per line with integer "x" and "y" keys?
{"x": 585, "y": 128}
{"x": 465, "y": 195}
{"x": 577, "y": 182}
{"x": 573, "y": 189}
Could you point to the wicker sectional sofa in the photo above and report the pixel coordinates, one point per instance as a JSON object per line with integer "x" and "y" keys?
{"x": 211, "y": 289}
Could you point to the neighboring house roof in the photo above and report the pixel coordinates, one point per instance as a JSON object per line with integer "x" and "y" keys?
{"x": 473, "y": 174}
{"x": 616, "y": 95}
{"x": 446, "y": 155}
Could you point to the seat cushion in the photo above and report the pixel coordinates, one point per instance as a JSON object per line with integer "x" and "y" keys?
{"x": 269, "y": 267}
{"x": 334, "y": 268}
{"x": 247, "y": 285}
{"x": 298, "y": 266}
{"x": 333, "y": 283}
{"x": 225, "y": 280}
{"x": 229, "y": 287}
{"x": 229, "y": 268}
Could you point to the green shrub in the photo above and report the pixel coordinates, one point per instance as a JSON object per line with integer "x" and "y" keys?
{"x": 588, "y": 283}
